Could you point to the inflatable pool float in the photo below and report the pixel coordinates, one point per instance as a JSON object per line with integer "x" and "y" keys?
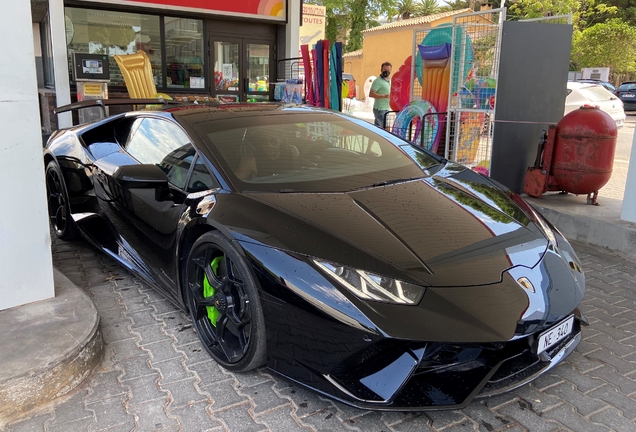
{"x": 414, "y": 112}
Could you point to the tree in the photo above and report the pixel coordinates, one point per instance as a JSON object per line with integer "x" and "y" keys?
{"x": 351, "y": 18}
{"x": 452, "y": 5}
{"x": 427, "y": 7}
{"x": 626, "y": 10}
{"x": 610, "y": 44}
{"x": 406, "y": 9}
{"x": 585, "y": 13}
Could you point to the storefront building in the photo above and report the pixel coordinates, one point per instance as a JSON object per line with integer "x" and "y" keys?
{"x": 198, "y": 49}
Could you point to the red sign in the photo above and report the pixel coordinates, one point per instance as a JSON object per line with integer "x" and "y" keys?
{"x": 268, "y": 9}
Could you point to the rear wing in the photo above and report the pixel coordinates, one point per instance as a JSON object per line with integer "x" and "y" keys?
{"x": 103, "y": 103}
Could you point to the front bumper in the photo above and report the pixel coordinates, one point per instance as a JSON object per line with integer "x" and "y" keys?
{"x": 416, "y": 376}
{"x": 629, "y": 104}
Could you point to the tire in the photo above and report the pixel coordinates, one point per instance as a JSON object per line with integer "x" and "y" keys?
{"x": 57, "y": 202}
{"x": 221, "y": 295}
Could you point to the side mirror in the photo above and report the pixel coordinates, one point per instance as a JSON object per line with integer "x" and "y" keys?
{"x": 146, "y": 176}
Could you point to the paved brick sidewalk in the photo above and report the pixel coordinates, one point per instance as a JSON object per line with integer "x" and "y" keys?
{"x": 156, "y": 375}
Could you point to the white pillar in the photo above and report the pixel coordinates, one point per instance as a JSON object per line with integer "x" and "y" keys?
{"x": 628, "y": 213}
{"x": 292, "y": 30}
{"x": 60, "y": 60}
{"x": 26, "y": 269}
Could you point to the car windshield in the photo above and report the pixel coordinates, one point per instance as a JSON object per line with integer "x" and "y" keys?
{"x": 596, "y": 93}
{"x": 320, "y": 152}
{"x": 627, "y": 87}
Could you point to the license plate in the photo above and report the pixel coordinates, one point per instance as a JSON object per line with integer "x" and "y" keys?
{"x": 629, "y": 95}
{"x": 556, "y": 334}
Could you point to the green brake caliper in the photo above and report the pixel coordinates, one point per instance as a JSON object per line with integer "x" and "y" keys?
{"x": 208, "y": 291}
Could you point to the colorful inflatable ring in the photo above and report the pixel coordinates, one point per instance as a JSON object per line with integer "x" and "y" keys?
{"x": 416, "y": 110}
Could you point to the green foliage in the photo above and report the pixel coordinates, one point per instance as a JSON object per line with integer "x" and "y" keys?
{"x": 334, "y": 22}
{"x": 593, "y": 48}
{"x": 585, "y": 13}
{"x": 484, "y": 53}
{"x": 626, "y": 10}
{"x": 610, "y": 44}
{"x": 427, "y": 7}
{"x": 406, "y": 9}
{"x": 358, "y": 18}
{"x": 452, "y": 5}
{"x": 351, "y": 18}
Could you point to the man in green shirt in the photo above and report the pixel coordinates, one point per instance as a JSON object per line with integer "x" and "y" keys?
{"x": 380, "y": 91}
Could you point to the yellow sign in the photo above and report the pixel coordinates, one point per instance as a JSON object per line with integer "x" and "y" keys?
{"x": 313, "y": 25}
{"x": 93, "y": 90}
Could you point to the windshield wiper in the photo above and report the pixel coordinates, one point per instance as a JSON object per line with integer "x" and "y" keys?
{"x": 385, "y": 183}
{"x": 300, "y": 191}
{"x": 394, "y": 181}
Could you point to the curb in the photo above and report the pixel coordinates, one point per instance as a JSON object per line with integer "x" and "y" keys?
{"x": 51, "y": 347}
{"x": 616, "y": 235}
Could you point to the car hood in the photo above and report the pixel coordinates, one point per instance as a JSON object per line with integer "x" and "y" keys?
{"x": 452, "y": 229}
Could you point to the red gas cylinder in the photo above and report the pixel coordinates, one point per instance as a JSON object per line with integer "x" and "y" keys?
{"x": 584, "y": 150}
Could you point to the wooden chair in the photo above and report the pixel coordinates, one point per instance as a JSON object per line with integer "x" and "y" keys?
{"x": 137, "y": 73}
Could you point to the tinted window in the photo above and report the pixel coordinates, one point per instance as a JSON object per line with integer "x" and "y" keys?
{"x": 627, "y": 87}
{"x": 307, "y": 151}
{"x": 596, "y": 93}
{"x": 201, "y": 179}
{"x": 164, "y": 144}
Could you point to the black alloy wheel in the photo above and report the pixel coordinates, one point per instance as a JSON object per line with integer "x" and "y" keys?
{"x": 221, "y": 294}
{"x": 57, "y": 203}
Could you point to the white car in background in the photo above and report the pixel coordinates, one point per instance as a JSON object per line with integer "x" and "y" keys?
{"x": 580, "y": 94}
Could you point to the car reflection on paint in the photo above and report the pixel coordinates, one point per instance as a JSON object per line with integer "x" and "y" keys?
{"x": 341, "y": 257}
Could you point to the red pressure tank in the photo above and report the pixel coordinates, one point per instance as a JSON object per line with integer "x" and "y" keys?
{"x": 584, "y": 150}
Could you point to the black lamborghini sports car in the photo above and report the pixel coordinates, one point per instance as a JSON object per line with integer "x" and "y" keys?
{"x": 329, "y": 250}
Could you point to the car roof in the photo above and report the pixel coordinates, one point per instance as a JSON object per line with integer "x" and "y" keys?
{"x": 192, "y": 114}
{"x": 576, "y": 85}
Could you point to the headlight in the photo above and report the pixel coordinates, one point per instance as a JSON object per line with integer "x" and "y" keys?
{"x": 369, "y": 286}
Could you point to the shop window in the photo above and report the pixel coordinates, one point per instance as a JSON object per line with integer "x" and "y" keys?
{"x": 115, "y": 33}
{"x": 184, "y": 53}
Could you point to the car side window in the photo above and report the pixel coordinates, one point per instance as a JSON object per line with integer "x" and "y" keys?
{"x": 163, "y": 143}
{"x": 201, "y": 179}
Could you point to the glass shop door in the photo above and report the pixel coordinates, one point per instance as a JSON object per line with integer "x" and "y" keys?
{"x": 241, "y": 69}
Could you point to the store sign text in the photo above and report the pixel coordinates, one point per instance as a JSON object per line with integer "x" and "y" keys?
{"x": 312, "y": 20}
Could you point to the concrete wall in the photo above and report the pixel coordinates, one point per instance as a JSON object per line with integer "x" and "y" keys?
{"x": 26, "y": 270}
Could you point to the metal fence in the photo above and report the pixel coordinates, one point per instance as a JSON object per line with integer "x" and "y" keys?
{"x": 420, "y": 130}
{"x": 473, "y": 87}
